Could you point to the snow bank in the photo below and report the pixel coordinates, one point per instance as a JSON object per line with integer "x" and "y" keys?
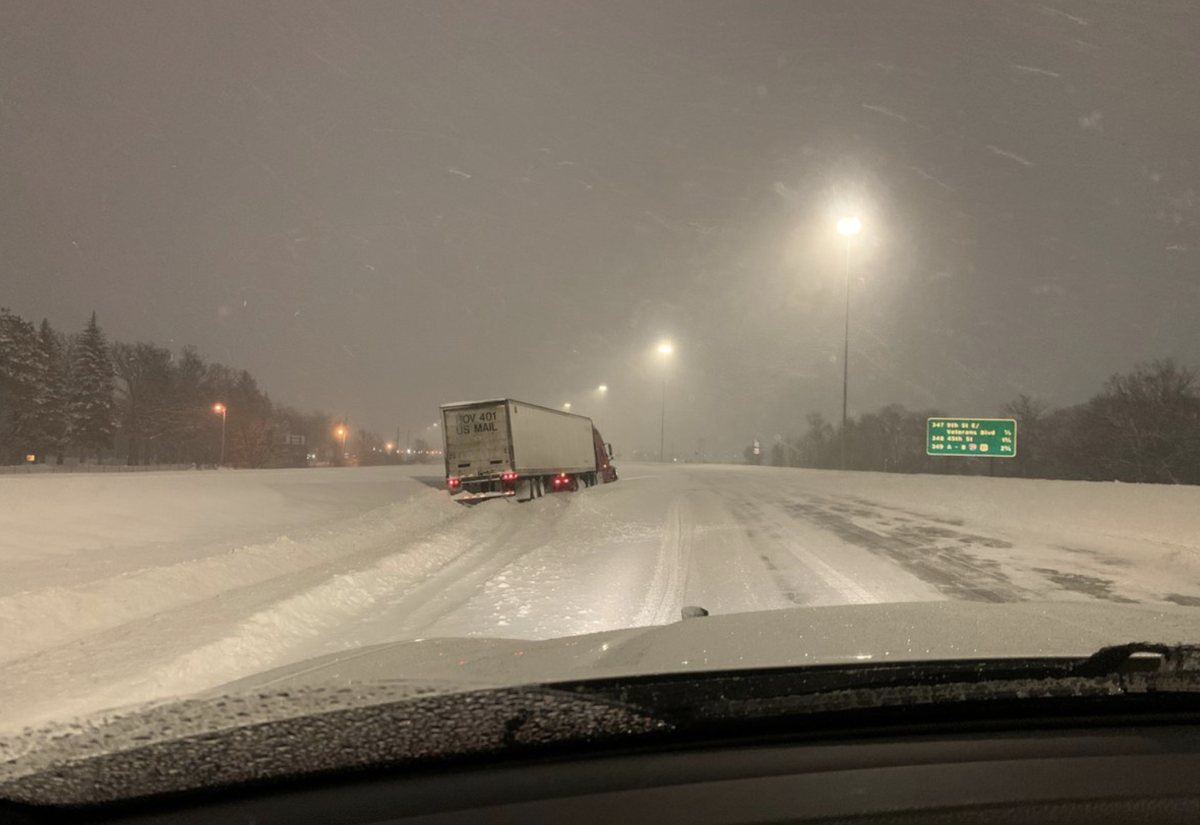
{"x": 79, "y": 554}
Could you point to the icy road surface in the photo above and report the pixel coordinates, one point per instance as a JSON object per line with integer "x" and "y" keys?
{"x": 117, "y": 589}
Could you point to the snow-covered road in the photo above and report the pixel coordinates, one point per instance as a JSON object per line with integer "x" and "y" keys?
{"x": 116, "y": 589}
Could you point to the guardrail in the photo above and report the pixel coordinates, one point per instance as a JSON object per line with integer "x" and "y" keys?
{"x": 41, "y": 469}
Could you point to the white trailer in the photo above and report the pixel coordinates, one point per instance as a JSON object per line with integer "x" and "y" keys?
{"x": 499, "y": 447}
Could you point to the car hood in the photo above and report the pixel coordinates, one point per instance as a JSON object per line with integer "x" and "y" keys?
{"x": 409, "y": 702}
{"x": 805, "y": 636}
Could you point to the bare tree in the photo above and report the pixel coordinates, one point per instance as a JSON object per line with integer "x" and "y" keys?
{"x": 1029, "y": 413}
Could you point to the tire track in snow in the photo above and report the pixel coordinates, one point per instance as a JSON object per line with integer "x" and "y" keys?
{"x": 418, "y": 611}
{"x": 727, "y": 573}
{"x": 930, "y": 552}
{"x": 664, "y": 598}
{"x": 799, "y": 574}
{"x": 813, "y": 564}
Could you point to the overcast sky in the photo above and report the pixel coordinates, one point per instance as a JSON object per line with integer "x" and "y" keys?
{"x": 380, "y": 207}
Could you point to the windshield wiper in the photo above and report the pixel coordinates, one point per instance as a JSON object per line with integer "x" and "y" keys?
{"x": 1141, "y": 658}
{"x": 1120, "y": 672}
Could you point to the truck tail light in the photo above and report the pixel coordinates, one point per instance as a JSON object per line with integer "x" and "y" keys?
{"x": 509, "y": 477}
{"x": 452, "y": 483}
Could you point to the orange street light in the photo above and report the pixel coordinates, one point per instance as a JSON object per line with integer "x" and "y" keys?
{"x": 220, "y": 408}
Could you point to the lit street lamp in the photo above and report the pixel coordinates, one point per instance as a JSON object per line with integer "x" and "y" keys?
{"x": 340, "y": 432}
{"x": 664, "y": 349}
{"x": 847, "y": 227}
{"x": 567, "y": 406}
{"x": 220, "y": 408}
{"x": 603, "y": 388}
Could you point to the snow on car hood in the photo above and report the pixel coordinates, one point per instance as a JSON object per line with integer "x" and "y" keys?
{"x": 911, "y": 632}
{"x": 317, "y": 705}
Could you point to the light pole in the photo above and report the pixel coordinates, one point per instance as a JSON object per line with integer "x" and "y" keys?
{"x": 219, "y": 407}
{"x": 340, "y": 432}
{"x": 664, "y": 349}
{"x": 847, "y": 227}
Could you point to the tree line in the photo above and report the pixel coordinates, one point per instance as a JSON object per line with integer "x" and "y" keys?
{"x": 67, "y": 397}
{"x": 1141, "y": 427}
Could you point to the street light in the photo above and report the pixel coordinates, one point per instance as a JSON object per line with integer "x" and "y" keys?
{"x": 340, "y": 432}
{"x": 603, "y": 388}
{"x": 220, "y": 408}
{"x": 664, "y": 349}
{"x": 567, "y": 405}
{"x": 847, "y": 227}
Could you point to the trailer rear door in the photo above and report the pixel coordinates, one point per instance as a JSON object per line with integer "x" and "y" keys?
{"x": 477, "y": 439}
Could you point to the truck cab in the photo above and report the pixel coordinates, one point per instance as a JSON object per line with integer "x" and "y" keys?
{"x": 605, "y": 470}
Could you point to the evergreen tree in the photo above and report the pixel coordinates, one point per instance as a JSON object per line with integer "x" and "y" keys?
{"x": 51, "y": 399}
{"x": 18, "y": 386}
{"x": 144, "y": 384}
{"x": 91, "y": 407}
{"x": 189, "y": 416}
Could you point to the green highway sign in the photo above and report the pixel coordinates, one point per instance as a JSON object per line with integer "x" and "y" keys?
{"x": 987, "y": 437}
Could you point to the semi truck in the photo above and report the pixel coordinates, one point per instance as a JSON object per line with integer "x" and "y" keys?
{"x": 506, "y": 447}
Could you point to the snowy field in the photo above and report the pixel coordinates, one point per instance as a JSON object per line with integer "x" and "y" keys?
{"x": 116, "y": 589}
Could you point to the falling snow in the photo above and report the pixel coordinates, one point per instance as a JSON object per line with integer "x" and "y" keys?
{"x": 1013, "y": 156}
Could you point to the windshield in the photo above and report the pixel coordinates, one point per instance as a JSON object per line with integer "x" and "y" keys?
{"x": 334, "y": 325}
